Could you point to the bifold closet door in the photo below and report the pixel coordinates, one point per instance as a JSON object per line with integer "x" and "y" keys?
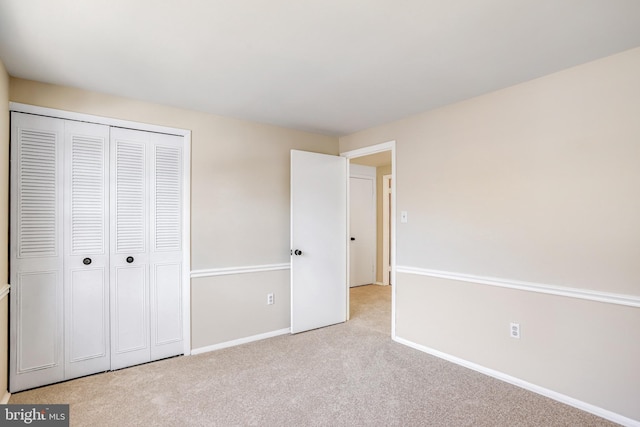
{"x": 165, "y": 254}
{"x": 86, "y": 260}
{"x": 59, "y": 250}
{"x": 36, "y": 333}
{"x": 96, "y": 249}
{"x": 129, "y": 248}
{"x": 146, "y": 253}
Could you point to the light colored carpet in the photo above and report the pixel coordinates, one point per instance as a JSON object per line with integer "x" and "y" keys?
{"x": 351, "y": 374}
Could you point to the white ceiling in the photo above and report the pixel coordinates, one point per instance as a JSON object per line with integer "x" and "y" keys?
{"x": 328, "y": 66}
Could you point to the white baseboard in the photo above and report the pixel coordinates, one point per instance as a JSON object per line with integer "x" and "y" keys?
{"x": 240, "y": 341}
{"x": 5, "y": 398}
{"x": 587, "y": 407}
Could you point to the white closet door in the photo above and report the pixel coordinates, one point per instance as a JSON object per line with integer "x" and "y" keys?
{"x": 166, "y": 246}
{"x": 129, "y": 248}
{"x": 86, "y": 261}
{"x": 36, "y": 252}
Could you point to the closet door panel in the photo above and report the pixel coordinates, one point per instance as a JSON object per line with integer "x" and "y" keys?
{"x": 87, "y": 321}
{"x": 129, "y": 248}
{"x": 39, "y": 343}
{"x": 166, "y": 322}
{"x": 86, "y": 262}
{"x": 166, "y": 246}
{"x": 130, "y": 324}
{"x": 36, "y": 331}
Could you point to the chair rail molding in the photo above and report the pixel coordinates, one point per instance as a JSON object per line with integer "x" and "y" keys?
{"x": 4, "y": 291}
{"x": 211, "y": 272}
{"x": 586, "y": 294}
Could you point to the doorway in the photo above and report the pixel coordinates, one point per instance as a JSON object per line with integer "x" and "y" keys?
{"x": 381, "y": 158}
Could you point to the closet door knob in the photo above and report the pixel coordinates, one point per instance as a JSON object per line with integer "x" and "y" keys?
{"x": 297, "y": 252}
{"x": 86, "y": 261}
{"x": 129, "y": 259}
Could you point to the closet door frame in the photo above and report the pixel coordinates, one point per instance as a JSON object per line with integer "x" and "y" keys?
{"x": 186, "y": 188}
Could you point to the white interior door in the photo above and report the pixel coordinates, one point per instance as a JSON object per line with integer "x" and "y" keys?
{"x": 86, "y": 260}
{"x": 129, "y": 250}
{"x": 318, "y": 240}
{"x": 362, "y": 230}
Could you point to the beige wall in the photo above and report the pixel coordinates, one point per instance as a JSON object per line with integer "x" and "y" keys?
{"x": 381, "y": 171}
{"x": 219, "y": 299}
{"x": 4, "y": 224}
{"x": 539, "y": 183}
{"x": 239, "y": 203}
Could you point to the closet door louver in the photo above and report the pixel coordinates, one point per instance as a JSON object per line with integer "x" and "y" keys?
{"x": 36, "y": 251}
{"x": 86, "y": 261}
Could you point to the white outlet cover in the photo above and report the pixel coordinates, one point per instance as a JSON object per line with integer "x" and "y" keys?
{"x": 514, "y": 330}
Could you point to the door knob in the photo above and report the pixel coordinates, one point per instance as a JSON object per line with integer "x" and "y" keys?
{"x": 129, "y": 259}
{"x": 353, "y": 238}
{"x": 297, "y": 252}
{"x": 86, "y": 261}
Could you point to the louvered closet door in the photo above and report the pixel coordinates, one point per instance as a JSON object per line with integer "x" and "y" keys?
{"x": 36, "y": 355}
{"x": 146, "y": 246}
{"x": 166, "y": 246}
{"x": 129, "y": 248}
{"x": 86, "y": 261}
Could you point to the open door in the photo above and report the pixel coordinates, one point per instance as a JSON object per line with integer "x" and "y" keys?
{"x": 318, "y": 240}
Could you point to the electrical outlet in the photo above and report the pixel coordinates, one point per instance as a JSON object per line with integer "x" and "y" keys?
{"x": 514, "y": 330}
{"x": 270, "y": 299}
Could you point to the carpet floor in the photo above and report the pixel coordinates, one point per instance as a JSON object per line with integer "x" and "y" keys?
{"x": 350, "y": 374}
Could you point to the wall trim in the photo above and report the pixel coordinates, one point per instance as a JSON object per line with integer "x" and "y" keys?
{"x": 586, "y": 294}
{"x": 4, "y": 291}
{"x": 240, "y": 341}
{"x": 370, "y": 149}
{"x": 579, "y": 404}
{"x": 5, "y": 398}
{"x": 211, "y": 272}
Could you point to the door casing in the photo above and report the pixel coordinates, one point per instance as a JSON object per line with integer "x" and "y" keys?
{"x": 365, "y": 151}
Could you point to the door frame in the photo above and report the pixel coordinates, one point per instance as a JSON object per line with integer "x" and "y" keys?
{"x": 186, "y": 186}
{"x": 386, "y": 231}
{"x": 365, "y": 151}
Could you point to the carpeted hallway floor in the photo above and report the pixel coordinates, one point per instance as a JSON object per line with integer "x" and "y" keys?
{"x": 350, "y": 374}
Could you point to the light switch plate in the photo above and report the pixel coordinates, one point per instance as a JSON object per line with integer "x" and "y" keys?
{"x": 404, "y": 217}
